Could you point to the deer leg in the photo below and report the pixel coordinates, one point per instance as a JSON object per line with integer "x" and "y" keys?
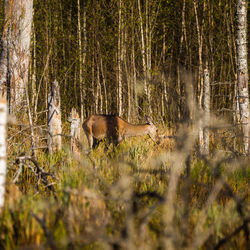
{"x": 95, "y": 143}
{"x": 90, "y": 140}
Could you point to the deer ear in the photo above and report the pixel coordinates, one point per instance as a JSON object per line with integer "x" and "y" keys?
{"x": 149, "y": 120}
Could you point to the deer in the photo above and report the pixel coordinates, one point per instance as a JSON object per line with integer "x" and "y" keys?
{"x": 115, "y": 129}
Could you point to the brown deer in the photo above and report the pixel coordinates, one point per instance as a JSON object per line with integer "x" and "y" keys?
{"x": 115, "y": 129}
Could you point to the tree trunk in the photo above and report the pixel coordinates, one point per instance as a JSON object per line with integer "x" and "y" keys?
{"x": 54, "y": 118}
{"x": 200, "y": 45}
{"x": 15, "y": 56}
{"x": 79, "y": 31}
{"x": 144, "y": 62}
{"x": 178, "y": 60}
{"x": 242, "y": 70}
{"x": 206, "y": 107}
{"x": 133, "y": 71}
{"x": 103, "y": 77}
{"x": 3, "y": 167}
{"x": 119, "y": 60}
{"x": 74, "y": 131}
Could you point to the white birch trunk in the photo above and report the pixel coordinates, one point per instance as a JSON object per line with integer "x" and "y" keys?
{"x": 143, "y": 51}
{"x": 206, "y": 107}
{"x": 133, "y": 77}
{"x": 74, "y": 130}
{"x": 54, "y": 118}
{"x": 200, "y": 44}
{"x": 242, "y": 71}
{"x": 3, "y": 168}
{"x": 119, "y": 59}
{"x": 16, "y": 50}
{"x": 81, "y": 56}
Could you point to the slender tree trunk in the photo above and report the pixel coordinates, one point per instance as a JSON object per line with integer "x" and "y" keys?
{"x": 99, "y": 86}
{"x": 206, "y": 106}
{"x": 3, "y": 155}
{"x": 163, "y": 76}
{"x": 242, "y": 70}
{"x": 74, "y": 131}
{"x": 33, "y": 141}
{"x": 133, "y": 71}
{"x": 54, "y": 118}
{"x": 200, "y": 45}
{"x": 103, "y": 78}
{"x": 178, "y": 60}
{"x": 79, "y": 31}
{"x": 148, "y": 35}
{"x": 84, "y": 55}
{"x": 144, "y": 62}
{"x": 33, "y": 76}
{"x": 119, "y": 60}
{"x": 15, "y": 57}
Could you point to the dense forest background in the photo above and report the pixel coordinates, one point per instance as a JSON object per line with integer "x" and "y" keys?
{"x": 131, "y": 57}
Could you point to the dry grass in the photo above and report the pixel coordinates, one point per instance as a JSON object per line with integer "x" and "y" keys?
{"x": 143, "y": 195}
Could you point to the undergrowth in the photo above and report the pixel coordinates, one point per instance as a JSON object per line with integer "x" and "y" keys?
{"x": 140, "y": 195}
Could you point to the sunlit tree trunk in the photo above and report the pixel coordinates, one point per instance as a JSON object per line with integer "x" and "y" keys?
{"x": 133, "y": 71}
{"x": 82, "y": 54}
{"x": 3, "y": 168}
{"x": 119, "y": 59}
{"x": 103, "y": 79}
{"x": 15, "y": 56}
{"x": 163, "y": 76}
{"x": 144, "y": 61}
{"x": 242, "y": 70}
{"x": 206, "y": 107}
{"x": 199, "y": 27}
{"x": 183, "y": 28}
{"x": 79, "y": 31}
{"x": 54, "y": 119}
{"x": 74, "y": 131}
{"x": 33, "y": 71}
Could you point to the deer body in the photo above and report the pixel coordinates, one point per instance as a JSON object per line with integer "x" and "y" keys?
{"x": 113, "y": 127}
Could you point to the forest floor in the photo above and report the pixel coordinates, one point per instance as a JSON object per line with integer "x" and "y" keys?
{"x": 142, "y": 195}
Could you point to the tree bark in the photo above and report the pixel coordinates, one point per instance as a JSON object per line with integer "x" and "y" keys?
{"x": 79, "y": 31}
{"x": 54, "y": 119}
{"x": 3, "y": 167}
{"x": 242, "y": 70}
{"x": 144, "y": 62}
{"x": 74, "y": 131}
{"x": 206, "y": 107}
{"x": 119, "y": 59}
{"x": 200, "y": 47}
{"x": 15, "y": 57}
{"x": 183, "y": 28}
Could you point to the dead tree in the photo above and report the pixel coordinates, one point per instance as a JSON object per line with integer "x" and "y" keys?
{"x": 3, "y": 120}
{"x": 74, "y": 130}
{"x": 15, "y": 52}
{"x": 54, "y": 119}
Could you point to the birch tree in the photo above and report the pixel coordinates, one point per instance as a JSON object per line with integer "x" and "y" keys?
{"x": 15, "y": 56}
{"x": 242, "y": 70}
{"x": 206, "y": 106}
{"x": 3, "y": 120}
{"x": 145, "y": 59}
{"x": 74, "y": 130}
{"x": 120, "y": 59}
{"x": 54, "y": 118}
